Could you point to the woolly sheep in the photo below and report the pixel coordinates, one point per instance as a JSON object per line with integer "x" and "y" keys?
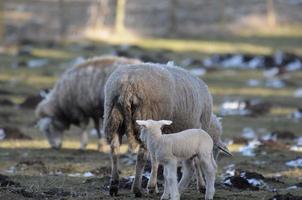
{"x": 153, "y": 91}
{"x": 76, "y": 97}
{"x": 182, "y": 146}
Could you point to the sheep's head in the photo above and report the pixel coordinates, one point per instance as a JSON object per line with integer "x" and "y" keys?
{"x": 51, "y": 127}
{"x": 151, "y": 127}
{"x": 53, "y": 130}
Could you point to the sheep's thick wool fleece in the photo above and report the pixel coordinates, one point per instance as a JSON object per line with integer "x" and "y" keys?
{"x": 154, "y": 91}
{"x": 79, "y": 93}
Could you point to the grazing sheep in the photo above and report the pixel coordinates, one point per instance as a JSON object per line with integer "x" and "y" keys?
{"x": 76, "y": 97}
{"x": 152, "y": 91}
{"x": 182, "y": 146}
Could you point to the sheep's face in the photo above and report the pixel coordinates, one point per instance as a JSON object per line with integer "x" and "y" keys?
{"x": 53, "y": 130}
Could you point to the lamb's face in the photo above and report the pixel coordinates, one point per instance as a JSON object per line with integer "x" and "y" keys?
{"x": 53, "y": 130}
{"x": 151, "y": 127}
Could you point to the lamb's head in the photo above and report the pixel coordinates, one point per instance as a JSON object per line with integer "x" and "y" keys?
{"x": 51, "y": 127}
{"x": 151, "y": 127}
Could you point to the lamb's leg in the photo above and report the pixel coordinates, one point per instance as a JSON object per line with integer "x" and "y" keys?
{"x": 208, "y": 165}
{"x": 152, "y": 183}
{"x": 200, "y": 182}
{"x": 166, "y": 192}
{"x": 114, "y": 150}
{"x": 188, "y": 170}
{"x": 139, "y": 169}
{"x": 172, "y": 179}
{"x": 83, "y": 139}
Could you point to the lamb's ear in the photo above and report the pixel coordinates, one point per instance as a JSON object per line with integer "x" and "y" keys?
{"x": 141, "y": 123}
{"x": 165, "y": 122}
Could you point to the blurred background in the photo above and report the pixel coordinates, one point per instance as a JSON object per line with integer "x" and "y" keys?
{"x": 249, "y": 53}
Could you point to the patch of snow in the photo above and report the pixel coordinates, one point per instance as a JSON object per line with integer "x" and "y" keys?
{"x": 208, "y": 62}
{"x": 75, "y": 175}
{"x": 294, "y": 66}
{"x": 253, "y": 82}
{"x": 297, "y": 146}
{"x": 275, "y": 83}
{"x": 36, "y": 63}
{"x": 248, "y": 150}
{"x": 234, "y": 108}
{"x": 298, "y": 93}
{"x": 2, "y": 134}
{"x": 297, "y": 115}
{"x": 88, "y": 174}
{"x": 270, "y": 137}
{"x": 198, "y": 71}
{"x": 255, "y": 182}
{"x": 271, "y": 73}
{"x": 233, "y": 62}
{"x": 295, "y": 163}
{"x": 292, "y": 187}
{"x": 248, "y": 133}
{"x": 256, "y": 62}
{"x": 11, "y": 170}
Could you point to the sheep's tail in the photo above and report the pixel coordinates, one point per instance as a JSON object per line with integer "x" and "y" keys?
{"x": 128, "y": 103}
{"x": 224, "y": 149}
{"x": 113, "y": 121}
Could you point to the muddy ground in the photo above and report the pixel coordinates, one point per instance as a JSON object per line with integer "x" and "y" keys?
{"x": 30, "y": 170}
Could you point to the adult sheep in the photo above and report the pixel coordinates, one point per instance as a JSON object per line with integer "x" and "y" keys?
{"x": 153, "y": 91}
{"x": 76, "y": 98}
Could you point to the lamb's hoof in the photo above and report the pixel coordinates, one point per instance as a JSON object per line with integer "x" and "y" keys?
{"x": 113, "y": 190}
{"x": 165, "y": 197}
{"x": 137, "y": 193}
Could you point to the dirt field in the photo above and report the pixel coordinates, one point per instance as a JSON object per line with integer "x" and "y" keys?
{"x": 30, "y": 170}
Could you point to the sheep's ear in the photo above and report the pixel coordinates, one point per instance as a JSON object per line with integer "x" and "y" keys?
{"x": 165, "y": 122}
{"x": 141, "y": 123}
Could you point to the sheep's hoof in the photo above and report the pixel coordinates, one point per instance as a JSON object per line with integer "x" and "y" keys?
{"x": 113, "y": 188}
{"x": 202, "y": 190}
{"x": 152, "y": 190}
{"x": 137, "y": 192}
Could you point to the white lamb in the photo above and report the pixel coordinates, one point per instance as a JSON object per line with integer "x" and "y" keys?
{"x": 183, "y": 146}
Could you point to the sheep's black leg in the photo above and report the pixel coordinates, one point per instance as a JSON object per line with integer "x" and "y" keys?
{"x": 139, "y": 169}
{"x": 114, "y": 149}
